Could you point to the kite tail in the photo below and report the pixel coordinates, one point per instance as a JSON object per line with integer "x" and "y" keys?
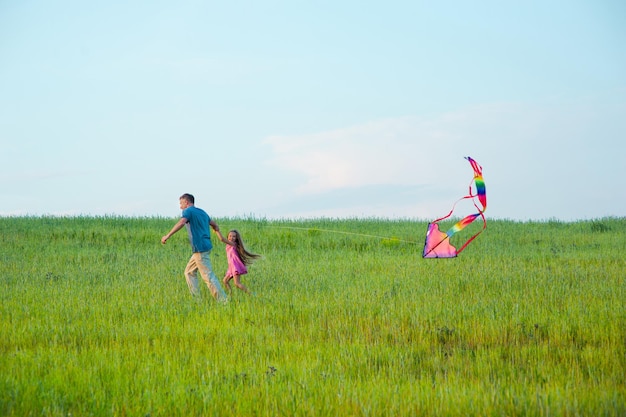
{"x": 469, "y": 219}
{"x": 453, "y": 207}
{"x": 481, "y": 191}
{"x": 474, "y": 237}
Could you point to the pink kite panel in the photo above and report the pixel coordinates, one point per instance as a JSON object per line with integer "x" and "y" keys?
{"x": 437, "y": 243}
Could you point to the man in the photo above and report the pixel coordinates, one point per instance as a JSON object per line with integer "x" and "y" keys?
{"x": 197, "y": 222}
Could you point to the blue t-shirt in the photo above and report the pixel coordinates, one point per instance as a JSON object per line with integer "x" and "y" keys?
{"x": 198, "y": 229}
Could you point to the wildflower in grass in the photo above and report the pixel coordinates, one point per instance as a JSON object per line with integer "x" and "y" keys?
{"x": 197, "y": 222}
{"x": 238, "y": 258}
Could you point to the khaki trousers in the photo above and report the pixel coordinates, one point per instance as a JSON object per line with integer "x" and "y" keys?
{"x": 200, "y": 261}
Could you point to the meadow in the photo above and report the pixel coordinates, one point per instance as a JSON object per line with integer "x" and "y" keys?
{"x": 347, "y": 319}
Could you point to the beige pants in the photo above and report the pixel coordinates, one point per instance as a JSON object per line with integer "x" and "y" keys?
{"x": 200, "y": 261}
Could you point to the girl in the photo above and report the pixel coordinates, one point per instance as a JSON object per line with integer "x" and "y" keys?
{"x": 238, "y": 258}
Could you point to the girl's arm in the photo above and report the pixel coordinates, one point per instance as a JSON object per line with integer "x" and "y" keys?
{"x": 223, "y": 239}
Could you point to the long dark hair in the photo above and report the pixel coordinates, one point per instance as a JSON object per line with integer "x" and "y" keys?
{"x": 246, "y": 257}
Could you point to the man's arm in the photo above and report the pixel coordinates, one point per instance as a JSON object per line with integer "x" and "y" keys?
{"x": 176, "y": 228}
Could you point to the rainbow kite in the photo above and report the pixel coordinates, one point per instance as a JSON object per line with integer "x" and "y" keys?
{"x": 437, "y": 244}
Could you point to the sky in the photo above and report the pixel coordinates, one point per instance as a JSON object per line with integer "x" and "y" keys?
{"x": 287, "y": 109}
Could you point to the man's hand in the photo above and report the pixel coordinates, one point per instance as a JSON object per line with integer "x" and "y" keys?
{"x": 176, "y": 228}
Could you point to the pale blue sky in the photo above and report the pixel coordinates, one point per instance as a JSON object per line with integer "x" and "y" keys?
{"x": 296, "y": 109}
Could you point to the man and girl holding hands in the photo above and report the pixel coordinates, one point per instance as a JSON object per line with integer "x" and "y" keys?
{"x": 198, "y": 224}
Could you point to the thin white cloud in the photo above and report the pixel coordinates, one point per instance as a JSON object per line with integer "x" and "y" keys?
{"x": 530, "y": 154}
{"x": 377, "y": 153}
{"x": 402, "y": 151}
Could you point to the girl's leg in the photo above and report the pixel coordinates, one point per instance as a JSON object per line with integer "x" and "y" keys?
{"x": 226, "y": 281}
{"x": 238, "y": 283}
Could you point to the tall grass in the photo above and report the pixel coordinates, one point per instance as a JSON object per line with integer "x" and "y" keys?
{"x": 348, "y": 319}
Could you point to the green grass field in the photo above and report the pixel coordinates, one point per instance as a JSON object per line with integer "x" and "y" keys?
{"x": 348, "y": 320}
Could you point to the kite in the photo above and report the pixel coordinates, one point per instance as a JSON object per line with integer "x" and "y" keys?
{"x": 437, "y": 244}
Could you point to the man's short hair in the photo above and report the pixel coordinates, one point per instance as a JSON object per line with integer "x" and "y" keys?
{"x": 188, "y": 197}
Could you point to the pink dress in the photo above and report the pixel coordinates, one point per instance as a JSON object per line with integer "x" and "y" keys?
{"x": 235, "y": 265}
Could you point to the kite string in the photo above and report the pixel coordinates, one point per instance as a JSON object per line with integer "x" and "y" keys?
{"x": 344, "y": 233}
